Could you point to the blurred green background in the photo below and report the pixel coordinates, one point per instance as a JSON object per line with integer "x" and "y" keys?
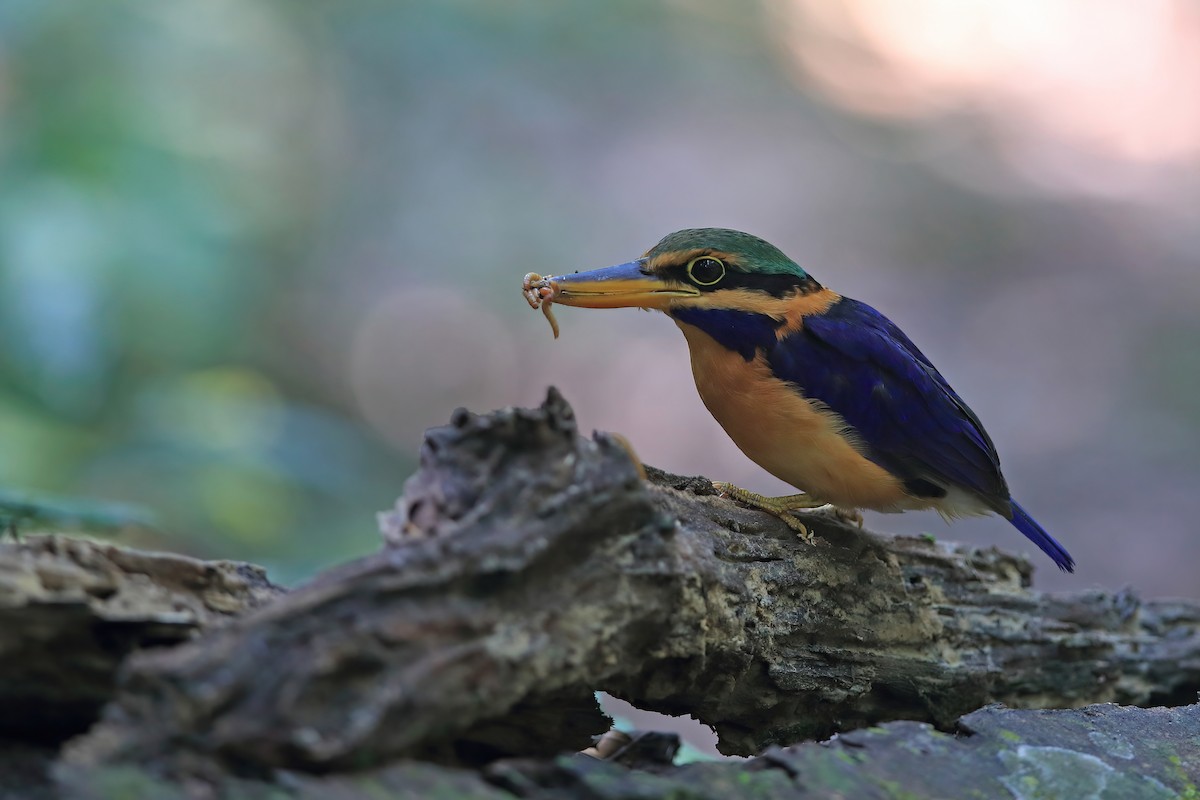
{"x": 250, "y": 250}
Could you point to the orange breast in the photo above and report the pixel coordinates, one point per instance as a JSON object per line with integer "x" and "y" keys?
{"x": 795, "y": 439}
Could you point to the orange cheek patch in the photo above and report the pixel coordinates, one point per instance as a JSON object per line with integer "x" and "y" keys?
{"x": 800, "y": 306}
{"x": 790, "y": 310}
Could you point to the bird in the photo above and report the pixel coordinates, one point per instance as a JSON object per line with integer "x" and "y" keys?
{"x": 816, "y": 388}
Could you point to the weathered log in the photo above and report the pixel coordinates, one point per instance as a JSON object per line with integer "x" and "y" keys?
{"x": 71, "y": 610}
{"x": 1102, "y": 751}
{"x": 535, "y": 567}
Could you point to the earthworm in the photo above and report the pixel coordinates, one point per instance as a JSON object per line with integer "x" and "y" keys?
{"x": 540, "y": 292}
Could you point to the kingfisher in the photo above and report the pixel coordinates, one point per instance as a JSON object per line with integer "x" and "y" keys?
{"x": 820, "y": 390}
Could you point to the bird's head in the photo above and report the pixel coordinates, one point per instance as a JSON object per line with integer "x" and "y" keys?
{"x": 698, "y": 268}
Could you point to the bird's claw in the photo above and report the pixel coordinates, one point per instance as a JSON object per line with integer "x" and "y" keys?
{"x": 802, "y": 531}
{"x": 729, "y": 491}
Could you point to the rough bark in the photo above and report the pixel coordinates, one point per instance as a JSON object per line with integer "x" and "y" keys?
{"x": 71, "y": 610}
{"x": 532, "y": 567}
{"x": 1106, "y": 752}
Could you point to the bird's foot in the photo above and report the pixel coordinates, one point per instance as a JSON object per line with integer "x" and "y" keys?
{"x": 782, "y": 507}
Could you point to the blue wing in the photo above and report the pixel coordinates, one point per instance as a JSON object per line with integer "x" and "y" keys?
{"x": 911, "y": 423}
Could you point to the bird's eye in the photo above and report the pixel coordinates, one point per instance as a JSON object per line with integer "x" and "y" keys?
{"x": 705, "y": 270}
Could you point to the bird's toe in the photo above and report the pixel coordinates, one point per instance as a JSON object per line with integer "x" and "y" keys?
{"x": 799, "y": 527}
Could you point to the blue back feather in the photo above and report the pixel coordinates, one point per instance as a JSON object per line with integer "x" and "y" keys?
{"x": 857, "y": 362}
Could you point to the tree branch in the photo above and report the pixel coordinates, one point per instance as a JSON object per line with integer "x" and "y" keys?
{"x": 532, "y": 567}
{"x": 71, "y": 610}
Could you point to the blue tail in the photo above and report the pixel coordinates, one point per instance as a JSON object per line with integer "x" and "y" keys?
{"x": 1025, "y": 524}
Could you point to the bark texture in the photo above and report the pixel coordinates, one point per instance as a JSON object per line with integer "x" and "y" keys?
{"x": 71, "y": 610}
{"x": 530, "y": 567}
{"x": 1105, "y": 752}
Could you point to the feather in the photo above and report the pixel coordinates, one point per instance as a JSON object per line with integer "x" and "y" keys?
{"x": 908, "y": 419}
{"x": 744, "y": 333}
{"x": 1036, "y": 534}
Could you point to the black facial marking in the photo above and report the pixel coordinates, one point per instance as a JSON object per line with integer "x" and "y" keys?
{"x": 776, "y": 285}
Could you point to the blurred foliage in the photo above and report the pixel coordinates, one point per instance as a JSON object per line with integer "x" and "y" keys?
{"x": 20, "y": 511}
{"x": 170, "y": 173}
{"x": 150, "y": 217}
{"x": 249, "y": 250}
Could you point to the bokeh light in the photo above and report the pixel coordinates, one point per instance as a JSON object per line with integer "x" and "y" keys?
{"x": 1080, "y": 95}
{"x": 249, "y": 251}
